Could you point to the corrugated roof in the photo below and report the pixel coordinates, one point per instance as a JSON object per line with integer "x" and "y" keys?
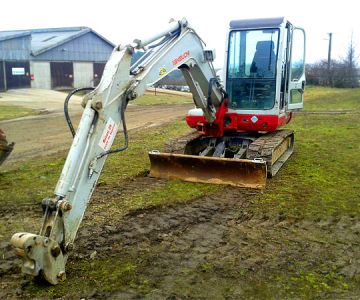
{"x": 7, "y": 35}
{"x": 45, "y": 39}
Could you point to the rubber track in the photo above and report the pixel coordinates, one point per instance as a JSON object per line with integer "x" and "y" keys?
{"x": 177, "y": 145}
{"x": 264, "y": 146}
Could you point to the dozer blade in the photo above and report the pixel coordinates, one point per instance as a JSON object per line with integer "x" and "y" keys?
{"x": 236, "y": 172}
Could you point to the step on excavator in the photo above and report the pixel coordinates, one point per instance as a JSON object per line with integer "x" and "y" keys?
{"x": 235, "y": 139}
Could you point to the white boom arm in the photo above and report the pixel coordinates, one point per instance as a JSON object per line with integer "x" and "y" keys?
{"x": 179, "y": 47}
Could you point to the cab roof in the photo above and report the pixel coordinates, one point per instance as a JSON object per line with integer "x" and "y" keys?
{"x": 257, "y": 23}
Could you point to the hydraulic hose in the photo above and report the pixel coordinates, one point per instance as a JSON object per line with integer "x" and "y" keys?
{"x": 126, "y": 137}
{"x": 66, "y": 106}
{"x": 166, "y": 38}
{"x": 111, "y": 151}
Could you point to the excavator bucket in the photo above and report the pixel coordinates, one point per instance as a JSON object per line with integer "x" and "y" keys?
{"x": 5, "y": 151}
{"x": 5, "y": 147}
{"x": 236, "y": 172}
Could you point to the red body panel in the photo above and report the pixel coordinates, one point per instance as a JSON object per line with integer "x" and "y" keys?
{"x": 232, "y": 122}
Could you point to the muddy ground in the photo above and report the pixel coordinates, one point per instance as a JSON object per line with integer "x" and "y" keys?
{"x": 214, "y": 247}
{"x": 217, "y": 247}
{"x": 41, "y": 100}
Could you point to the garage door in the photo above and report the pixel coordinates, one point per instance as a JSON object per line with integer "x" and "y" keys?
{"x": 98, "y": 72}
{"x": 17, "y": 74}
{"x": 62, "y": 75}
{"x": 2, "y": 79}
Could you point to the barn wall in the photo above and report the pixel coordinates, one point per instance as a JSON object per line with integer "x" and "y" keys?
{"x": 16, "y": 49}
{"x": 88, "y": 47}
{"x": 83, "y": 74}
{"x": 41, "y": 72}
{"x": 2, "y": 76}
{"x": 81, "y": 51}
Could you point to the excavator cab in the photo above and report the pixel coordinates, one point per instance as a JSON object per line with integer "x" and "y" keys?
{"x": 251, "y": 69}
{"x": 264, "y": 72}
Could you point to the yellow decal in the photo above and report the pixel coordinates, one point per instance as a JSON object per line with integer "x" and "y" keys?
{"x": 162, "y": 72}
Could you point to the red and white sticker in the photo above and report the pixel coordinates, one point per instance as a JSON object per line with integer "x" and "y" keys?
{"x": 180, "y": 58}
{"x": 108, "y": 135}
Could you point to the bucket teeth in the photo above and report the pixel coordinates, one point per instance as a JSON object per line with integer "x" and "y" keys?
{"x": 41, "y": 256}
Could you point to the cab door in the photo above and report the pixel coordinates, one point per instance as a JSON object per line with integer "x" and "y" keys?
{"x": 297, "y": 70}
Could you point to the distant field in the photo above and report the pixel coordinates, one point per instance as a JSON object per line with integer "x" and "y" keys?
{"x": 8, "y": 112}
{"x": 161, "y": 98}
{"x": 324, "y": 98}
{"x": 317, "y": 99}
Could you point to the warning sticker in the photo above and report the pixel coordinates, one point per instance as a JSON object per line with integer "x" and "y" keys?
{"x": 162, "y": 72}
{"x": 108, "y": 135}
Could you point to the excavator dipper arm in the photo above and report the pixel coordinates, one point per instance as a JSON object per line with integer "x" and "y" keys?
{"x": 178, "y": 46}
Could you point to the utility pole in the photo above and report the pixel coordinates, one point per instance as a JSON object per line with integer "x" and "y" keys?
{"x": 329, "y": 51}
{"x": 329, "y": 59}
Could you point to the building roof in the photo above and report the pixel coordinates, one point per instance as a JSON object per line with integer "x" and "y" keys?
{"x": 7, "y": 35}
{"x": 45, "y": 39}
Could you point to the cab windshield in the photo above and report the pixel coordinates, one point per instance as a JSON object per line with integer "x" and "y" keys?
{"x": 251, "y": 69}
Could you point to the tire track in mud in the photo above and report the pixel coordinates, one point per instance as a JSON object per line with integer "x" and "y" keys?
{"x": 171, "y": 238}
{"x": 178, "y": 242}
{"x": 329, "y": 112}
{"x": 223, "y": 231}
{"x": 157, "y": 224}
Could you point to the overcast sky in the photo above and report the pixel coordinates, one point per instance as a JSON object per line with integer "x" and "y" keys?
{"x": 122, "y": 21}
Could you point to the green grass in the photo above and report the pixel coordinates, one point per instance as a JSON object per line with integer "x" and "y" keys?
{"x": 151, "y": 99}
{"x": 326, "y": 99}
{"x": 152, "y": 196}
{"x": 35, "y": 179}
{"x": 8, "y": 112}
{"x": 179, "y": 191}
{"x": 89, "y": 275}
{"x": 320, "y": 182}
{"x": 32, "y": 181}
{"x": 325, "y": 166}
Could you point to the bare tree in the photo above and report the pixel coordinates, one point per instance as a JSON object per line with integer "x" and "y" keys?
{"x": 342, "y": 73}
{"x": 350, "y": 66}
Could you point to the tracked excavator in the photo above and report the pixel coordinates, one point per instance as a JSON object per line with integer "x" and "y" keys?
{"x": 236, "y": 138}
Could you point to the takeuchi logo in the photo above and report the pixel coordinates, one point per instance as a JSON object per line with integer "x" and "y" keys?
{"x": 180, "y": 58}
